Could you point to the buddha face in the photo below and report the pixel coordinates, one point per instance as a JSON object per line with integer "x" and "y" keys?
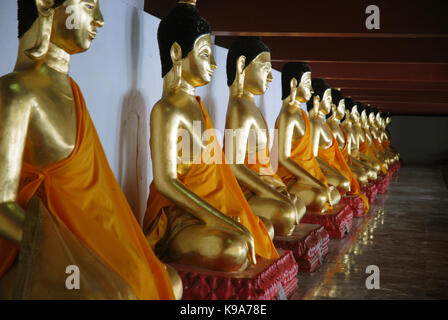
{"x": 372, "y": 120}
{"x": 364, "y": 118}
{"x": 305, "y": 89}
{"x": 75, "y": 31}
{"x": 340, "y": 110}
{"x": 258, "y": 74}
{"x": 354, "y": 115}
{"x": 325, "y": 105}
{"x": 199, "y": 65}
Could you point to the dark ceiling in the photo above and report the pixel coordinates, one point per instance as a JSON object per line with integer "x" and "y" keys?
{"x": 401, "y": 68}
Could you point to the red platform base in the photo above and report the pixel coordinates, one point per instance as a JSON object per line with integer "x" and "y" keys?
{"x": 337, "y": 222}
{"x": 383, "y": 183}
{"x": 370, "y": 191}
{"x": 309, "y": 244}
{"x": 259, "y": 282}
{"x": 356, "y": 204}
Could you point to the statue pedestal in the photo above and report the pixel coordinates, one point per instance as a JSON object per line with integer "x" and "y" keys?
{"x": 370, "y": 191}
{"x": 308, "y": 243}
{"x": 262, "y": 281}
{"x": 337, "y": 222}
{"x": 356, "y": 204}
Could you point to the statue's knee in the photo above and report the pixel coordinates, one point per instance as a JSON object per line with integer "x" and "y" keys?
{"x": 345, "y": 185}
{"x": 321, "y": 199}
{"x": 284, "y": 219}
{"x": 335, "y": 196}
{"x": 269, "y": 226}
{"x": 300, "y": 209}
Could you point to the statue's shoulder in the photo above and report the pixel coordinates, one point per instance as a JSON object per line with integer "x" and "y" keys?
{"x": 17, "y": 85}
{"x": 174, "y": 104}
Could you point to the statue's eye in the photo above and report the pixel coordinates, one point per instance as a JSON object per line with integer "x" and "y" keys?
{"x": 89, "y": 6}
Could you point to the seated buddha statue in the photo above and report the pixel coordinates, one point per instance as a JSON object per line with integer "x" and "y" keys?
{"x": 383, "y": 120}
{"x": 366, "y": 146}
{"x": 375, "y": 134}
{"x": 322, "y": 138}
{"x": 297, "y": 165}
{"x": 249, "y": 74}
{"x": 351, "y": 149}
{"x": 197, "y": 214}
{"x": 334, "y": 120}
{"x": 60, "y": 203}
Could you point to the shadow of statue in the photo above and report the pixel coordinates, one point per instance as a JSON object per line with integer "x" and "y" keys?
{"x": 134, "y": 131}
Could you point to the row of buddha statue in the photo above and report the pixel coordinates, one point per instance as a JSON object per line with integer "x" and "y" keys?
{"x": 61, "y": 205}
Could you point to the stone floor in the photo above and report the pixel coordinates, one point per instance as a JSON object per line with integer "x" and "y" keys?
{"x": 405, "y": 235}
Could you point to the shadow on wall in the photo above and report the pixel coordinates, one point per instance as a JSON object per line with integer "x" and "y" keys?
{"x": 134, "y": 131}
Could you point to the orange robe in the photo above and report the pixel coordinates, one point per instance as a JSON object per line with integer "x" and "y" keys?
{"x": 216, "y": 184}
{"x": 83, "y": 194}
{"x": 334, "y": 157}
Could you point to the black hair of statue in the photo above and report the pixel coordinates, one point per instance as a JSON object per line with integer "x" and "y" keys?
{"x": 250, "y": 47}
{"x": 183, "y": 25}
{"x": 27, "y": 14}
{"x": 349, "y": 104}
{"x": 320, "y": 86}
{"x": 292, "y": 70}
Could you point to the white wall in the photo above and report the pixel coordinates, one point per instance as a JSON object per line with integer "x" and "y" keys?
{"x": 120, "y": 77}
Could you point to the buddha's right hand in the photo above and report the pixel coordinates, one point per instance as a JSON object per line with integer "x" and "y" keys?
{"x": 12, "y": 218}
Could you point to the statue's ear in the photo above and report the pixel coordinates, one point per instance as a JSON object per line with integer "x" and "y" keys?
{"x": 293, "y": 84}
{"x": 45, "y": 20}
{"x": 240, "y": 64}
{"x": 176, "y": 53}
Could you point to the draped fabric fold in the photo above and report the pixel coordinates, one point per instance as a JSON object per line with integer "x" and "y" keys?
{"x": 334, "y": 158}
{"x": 216, "y": 184}
{"x": 82, "y": 193}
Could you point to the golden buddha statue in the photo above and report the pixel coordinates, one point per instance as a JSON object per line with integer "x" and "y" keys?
{"x": 352, "y": 143}
{"x": 322, "y": 138}
{"x": 298, "y": 167}
{"x": 366, "y": 148}
{"x": 375, "y": 134}
{"x": 60, "y": 203}
{"x": 383, "y": 120}
{"x": 197, "y": 214}
{"x": 248, "y": 74}
{"x": 334, "y": 120}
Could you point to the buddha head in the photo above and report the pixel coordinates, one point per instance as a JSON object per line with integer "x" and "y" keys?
{"x": 313, "y": 105}
{"x": 362, "y": 108}
{"x": 337, "y": 105}
{"x": 249, "y": 65}
{"x": 69, "y": 24}
{"x": 349, "y": 103}
{"x": 323, "y": 90}
{"x": 185, "y": 46}
{"x": 370, "y": 113}
{"x": 296, "y": 82}
{"x": 354, "y": 113}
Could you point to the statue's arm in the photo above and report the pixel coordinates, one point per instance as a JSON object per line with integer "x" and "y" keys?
{"x": 237, "y": 155}
{"x": 164, "y": 132}
{"x": 285, "y": 136}
{"x": 15, "y": 111}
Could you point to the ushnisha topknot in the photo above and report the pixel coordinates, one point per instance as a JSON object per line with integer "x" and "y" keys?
{"x": 292, "y": 70}
{"x": 183, "y": 25}
{"x": 250, "y": 47}
{"x": 27, "y": 14}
